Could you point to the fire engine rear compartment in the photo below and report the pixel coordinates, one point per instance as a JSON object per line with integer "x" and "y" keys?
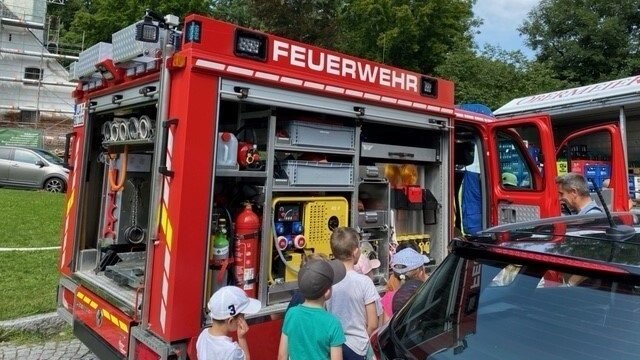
{"x": 112, "y": 242}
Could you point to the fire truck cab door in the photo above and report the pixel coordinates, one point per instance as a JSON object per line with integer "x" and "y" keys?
{"x": 604, "y": 159}
{"x": 520, "y": 168}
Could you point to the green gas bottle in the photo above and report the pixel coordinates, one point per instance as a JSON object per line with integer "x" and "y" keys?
{"x": 221, "y": 242}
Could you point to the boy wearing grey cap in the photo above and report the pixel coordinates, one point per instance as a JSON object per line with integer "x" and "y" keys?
{"x": 324, "y": 339}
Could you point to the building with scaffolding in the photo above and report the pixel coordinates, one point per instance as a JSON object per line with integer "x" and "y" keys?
{"x": 35, "y": 94}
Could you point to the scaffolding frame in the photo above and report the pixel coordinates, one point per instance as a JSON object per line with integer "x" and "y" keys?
{"x": 40, "y": 99}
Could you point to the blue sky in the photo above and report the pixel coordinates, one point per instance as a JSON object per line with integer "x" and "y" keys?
{"x": 501, "y": 20}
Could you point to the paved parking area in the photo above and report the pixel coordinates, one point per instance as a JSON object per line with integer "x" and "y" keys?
{"x": 50, "y": 324}
{"x": 63, "y": 350}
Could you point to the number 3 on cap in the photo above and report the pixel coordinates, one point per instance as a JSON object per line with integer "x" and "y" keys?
{"x": 232, "y": 310}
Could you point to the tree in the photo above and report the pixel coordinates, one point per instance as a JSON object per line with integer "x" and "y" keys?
{"x": 411, "y": 34}
{"x": 309, "y": 21}
{"x": 495, "y": 76}
{"x": 585, "y": 41}
{"x": 239, "y": 12}
{"x": 415, "y": 35}
{"x": 96, "y": 20}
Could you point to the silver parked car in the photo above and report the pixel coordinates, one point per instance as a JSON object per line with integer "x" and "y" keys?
{"x": 32, "y": 168}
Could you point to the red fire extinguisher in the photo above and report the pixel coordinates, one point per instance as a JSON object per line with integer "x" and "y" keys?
{"x": 246, "y": 250}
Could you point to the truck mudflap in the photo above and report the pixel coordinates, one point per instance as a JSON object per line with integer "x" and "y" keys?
{"x": 95, "y": 343}
{"x": 102, "y": 327}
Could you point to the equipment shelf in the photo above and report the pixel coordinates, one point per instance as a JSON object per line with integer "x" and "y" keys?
{"x": 240, "y": 173}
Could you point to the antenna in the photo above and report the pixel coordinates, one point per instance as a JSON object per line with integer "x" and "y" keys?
{"x": 617, "y": 232}
{"x": 596, "y": 188}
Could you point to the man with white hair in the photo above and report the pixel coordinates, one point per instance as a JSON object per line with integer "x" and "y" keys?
{"x": 573, "y": 191}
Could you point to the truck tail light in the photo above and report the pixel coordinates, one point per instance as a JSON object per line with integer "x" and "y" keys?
{"x": 178, "y": 60}
{"x": 250, "y": 44}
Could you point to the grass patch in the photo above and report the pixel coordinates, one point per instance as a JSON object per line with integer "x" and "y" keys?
{"x": 28, "y": 283}
{"x": 20, "y": 337}
{"x": 30, "y": 218}
{"x": 29, "y": 279}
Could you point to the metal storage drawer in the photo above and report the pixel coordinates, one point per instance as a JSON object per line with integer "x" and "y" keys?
{"x": 321, "y": 135}
{"x": 310, "y": 173}
{"x": 372, "y": 219}
{"x": 386, "y": 151}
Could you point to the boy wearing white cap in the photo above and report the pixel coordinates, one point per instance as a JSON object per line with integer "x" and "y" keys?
{"x": 310, "y": 332}
{"x": 406, "y": 264}
{"x": 227, "y": 308}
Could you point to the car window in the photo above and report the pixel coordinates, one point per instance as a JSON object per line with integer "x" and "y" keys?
{"x": 52, "y": 158}
{"x": 5, "y": 153}
{"x": 25, "y": 156}
{"x": 428, "y": 314}
{"x": 506, "y": 310}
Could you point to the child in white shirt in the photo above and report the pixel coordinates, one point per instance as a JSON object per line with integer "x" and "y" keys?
{"x": 227, "y": 308}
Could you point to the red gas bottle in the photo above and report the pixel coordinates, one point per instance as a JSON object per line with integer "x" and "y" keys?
{"x": 246, "y": 250}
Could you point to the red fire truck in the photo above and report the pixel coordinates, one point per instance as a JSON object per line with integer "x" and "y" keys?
{"x": 596, "y": 129}
{"x": 206, "y": 154}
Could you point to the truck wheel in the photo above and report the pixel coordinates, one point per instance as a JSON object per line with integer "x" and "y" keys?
{"x": 54, "y": 184}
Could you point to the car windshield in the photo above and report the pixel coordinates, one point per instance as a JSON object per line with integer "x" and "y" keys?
{"x": 51, "y": 157}
{"x": 483, "y": 308}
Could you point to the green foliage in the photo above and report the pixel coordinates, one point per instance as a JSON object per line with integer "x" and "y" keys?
{"x": 495, "y": 76}
{"x": 236, "y": 11}
{"x": 96, "y": 20}
{"x": 585, "y": 41}
{"x": 309, "y": 21}
{"x": 414, "y": 35}
{"x": 409, "y": 34}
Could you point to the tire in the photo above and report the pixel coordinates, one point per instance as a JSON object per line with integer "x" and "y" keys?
{"x": 55, "y": 185}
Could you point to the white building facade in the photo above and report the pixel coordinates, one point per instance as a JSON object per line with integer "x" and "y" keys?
{"x": 34, "y": 86}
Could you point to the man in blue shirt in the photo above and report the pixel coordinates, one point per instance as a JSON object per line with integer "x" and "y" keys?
{"x": 573, "y": 191}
